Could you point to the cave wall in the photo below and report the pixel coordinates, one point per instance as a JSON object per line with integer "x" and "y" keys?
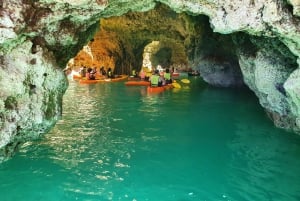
{"x": 213, "y": 54}
{"x": 30, "y": 97}
{"x": 266, "y": 65}
{"x": 38, "y": 37}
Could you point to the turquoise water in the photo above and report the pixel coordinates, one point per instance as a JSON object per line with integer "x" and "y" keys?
{"x": 120, "y": 143}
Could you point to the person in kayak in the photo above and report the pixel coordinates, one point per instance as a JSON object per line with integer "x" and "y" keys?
{"x": 110, "y": 73}
{"x": 167, "y": 76}
{"x": 90, "y": 74}
{"x": 155, "y": 79}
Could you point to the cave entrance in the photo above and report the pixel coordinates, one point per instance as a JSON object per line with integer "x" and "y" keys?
{"x": 122, "y": 42}
{"x": 156, "y": 56}
{"x": 165, "y": 39}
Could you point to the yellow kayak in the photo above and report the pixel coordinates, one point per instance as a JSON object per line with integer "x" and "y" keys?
{"x": 185, "y": 81}
{"x": 176, "y": 85}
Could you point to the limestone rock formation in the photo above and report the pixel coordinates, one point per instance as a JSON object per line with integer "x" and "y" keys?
{"x": 234, "y": 42}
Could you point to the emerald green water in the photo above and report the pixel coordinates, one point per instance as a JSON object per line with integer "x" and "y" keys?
{"x": 119, "y": 143}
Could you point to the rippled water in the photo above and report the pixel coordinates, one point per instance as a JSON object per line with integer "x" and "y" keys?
{"x": 120, "y": 143}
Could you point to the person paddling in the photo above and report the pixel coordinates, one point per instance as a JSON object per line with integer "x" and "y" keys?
{"x": 155, "y": 79}
{"x": 167, "y": 76}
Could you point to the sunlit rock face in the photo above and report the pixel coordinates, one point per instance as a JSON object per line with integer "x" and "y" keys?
{"x": 120, "y": 43}
{"x": 250, "y": 42}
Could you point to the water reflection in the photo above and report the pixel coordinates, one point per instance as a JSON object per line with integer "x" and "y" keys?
{"x": 151, "y": 105}
{"x": 101, "y": 154}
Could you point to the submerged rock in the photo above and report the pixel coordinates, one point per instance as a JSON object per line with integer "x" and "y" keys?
{"x": 250, "y": 42}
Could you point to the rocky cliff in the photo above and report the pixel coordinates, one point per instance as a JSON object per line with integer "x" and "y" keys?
{"x": 232, "y": 42}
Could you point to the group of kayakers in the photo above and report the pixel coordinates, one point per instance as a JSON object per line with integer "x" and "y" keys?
{"x": 91, "y": 73}
{"x": 158, "y": 79}
{"x": 155, "y": 77}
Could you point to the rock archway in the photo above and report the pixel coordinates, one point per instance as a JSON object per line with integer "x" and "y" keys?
{"x": 231, "y": 42}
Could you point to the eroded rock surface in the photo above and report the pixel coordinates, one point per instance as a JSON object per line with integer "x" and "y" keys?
{"x": 235, "y": 42}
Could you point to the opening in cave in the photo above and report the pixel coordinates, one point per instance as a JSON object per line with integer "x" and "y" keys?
{"x": 177, "y": 40}
{"x": 157, "y": 38}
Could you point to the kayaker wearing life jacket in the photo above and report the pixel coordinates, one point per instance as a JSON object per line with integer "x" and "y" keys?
{"x": 110, "y": 73}
{"x": 167, "y": 76}
{"x": 155, "y": 79}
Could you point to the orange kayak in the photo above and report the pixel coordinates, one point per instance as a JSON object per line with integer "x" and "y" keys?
{"x": 117, "y": 79}
{"x": 137, "y": 83}
{"x": 155, "y": 89}
{"x": 134, "y": 78}
{"x": 159, "y": 89}
{"x": 76, "y": 77}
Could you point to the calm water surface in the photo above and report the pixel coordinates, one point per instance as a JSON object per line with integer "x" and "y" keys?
{"x": 120, "y": 143}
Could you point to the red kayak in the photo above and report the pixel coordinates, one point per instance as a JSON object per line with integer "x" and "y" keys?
{"x": 175, "y": 74}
